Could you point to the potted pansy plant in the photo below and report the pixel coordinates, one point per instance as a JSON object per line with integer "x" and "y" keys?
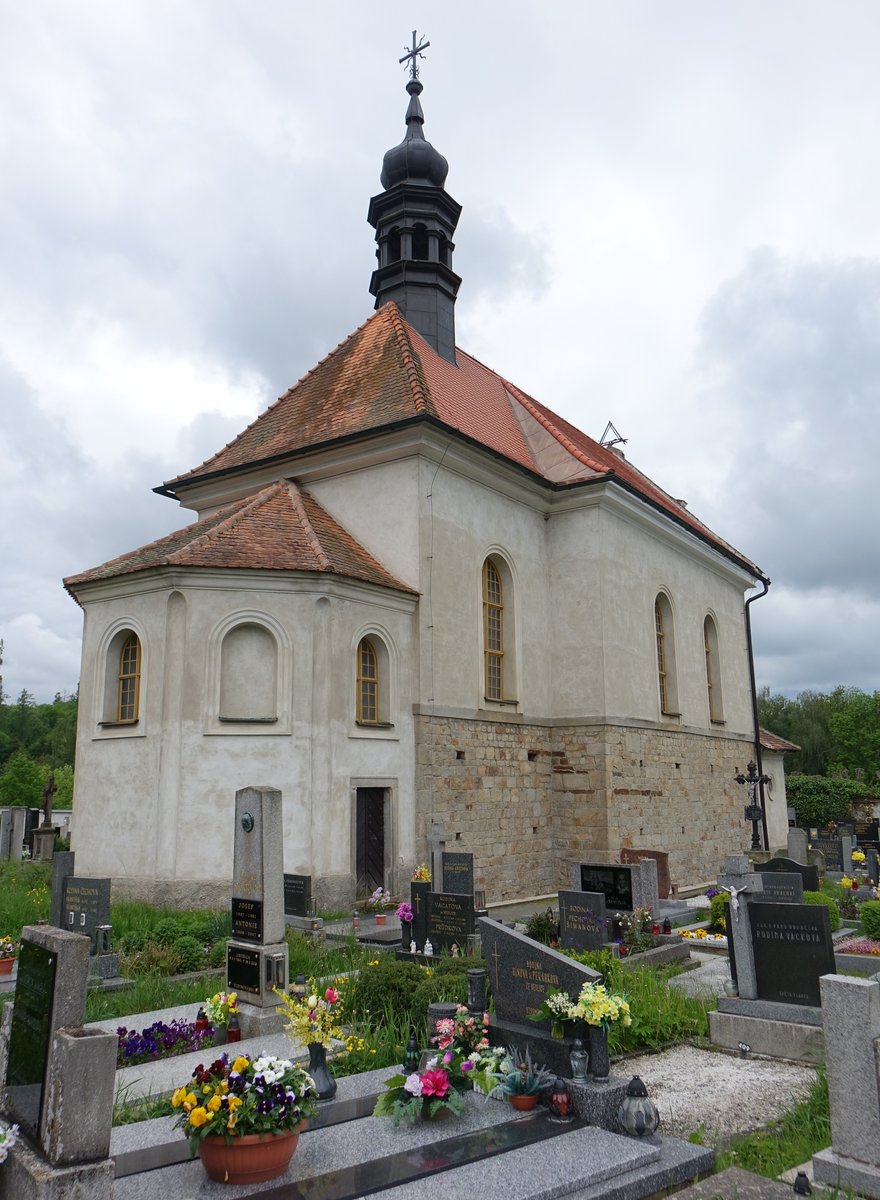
{"x": 8, "y": 953}
{"x": 243, "y": 1115}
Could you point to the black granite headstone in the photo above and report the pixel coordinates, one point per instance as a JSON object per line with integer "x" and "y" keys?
{"x": 783, "y": 887}
{"x": 297, "y": 894}
{"x": 614, "y": 882}
{"x": 458, "y": 874}
{"x": 809, "y": 874}
{"x": 62, "y": 869}
{"x": 522, "y": 971}
{"x": 247, "y": 919}
{"x": 85, "y": 906}
{"x": 871, "y": 864}
{"x": 833, "y": 851}
{"x": 450, "y": 920}
{"x": 582, "y": 921}
{"x": 30, "y": 1034}
{"x": 242, "y": 969}
{"x": 419, "y": 891}
{"x": 792, "y": 948}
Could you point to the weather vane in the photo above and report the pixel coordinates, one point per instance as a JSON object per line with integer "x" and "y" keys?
{"x": 414, "y": 54}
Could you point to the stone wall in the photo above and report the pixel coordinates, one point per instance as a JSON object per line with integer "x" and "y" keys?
{"x": 525, "y": 799}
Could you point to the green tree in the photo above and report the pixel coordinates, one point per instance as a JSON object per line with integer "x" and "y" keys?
{"x": 22, "y": 781}
{"x": 855, "y": 731}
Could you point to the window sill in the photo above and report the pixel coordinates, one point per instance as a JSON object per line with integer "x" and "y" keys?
{"x": 374, "y": 724}
{"x": 719, "y": 721}
{"x": 248, "y": 720}
{"x": 117, "y": 724}
{"x": 500, "y": 703}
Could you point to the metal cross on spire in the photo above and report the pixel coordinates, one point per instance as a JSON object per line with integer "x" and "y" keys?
{"x": 415, "y": 54}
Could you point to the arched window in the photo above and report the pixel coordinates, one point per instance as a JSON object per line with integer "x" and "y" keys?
{"x": 394, "y": 245}
{"x": 713, "y": 671}
{"x": 420, "y": 242}
{"x": 368, "y": 712}
{"x": 248, "y": 674}
{"x": 493, "y": 631}
{"x": 129, "y": 680}
{"x": 665, "y": 635}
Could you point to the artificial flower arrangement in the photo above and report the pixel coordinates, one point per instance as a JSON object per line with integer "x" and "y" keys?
{"x": 312, "y": 1018}
{"x": 8, "y": 946}
{"x": 597, "y": 1006}
{"x": 404, "y": 912}
{"x": 635, "y": 929}
{"x": 422, "y": 1094}
{"x": 467, "y": 1037}
{"x": 265, "y": 1095}
{"x": 556, "y": 1007}
{"x": 422, "y": 874}
{"x": 517, "y": 1075}
{"x": 379, "y": 899}
{"x": 701, "y": 935}
{"x": 160, "y": 1040}
{"x": 8, "y": 1138}
{"x": 220, "y": 1007}
{"x": 858, "y": 857}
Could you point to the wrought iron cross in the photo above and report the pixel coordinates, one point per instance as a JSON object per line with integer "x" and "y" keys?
{"x": 415, "y": 54}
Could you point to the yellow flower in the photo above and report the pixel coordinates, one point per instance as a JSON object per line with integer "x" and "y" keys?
{"x": 240, "y": 1063}
{"x": 191, "y": 1101}
{"x": 178, "y": 1098}
{"x": 214, "y": 1103}
{"x": 234, "y": 1102}
{"x": 230, "y": 1124}
{"x": 198, "y": 1117}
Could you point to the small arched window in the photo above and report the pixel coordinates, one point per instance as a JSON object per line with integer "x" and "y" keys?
{"x": 129, "y": 680}
{"x": 713, "y": 672}
{"x": 665, "y": 637}
{"x": 420, "y": 242}
{"x": 394, "y": 245}
{"x": 493, "y": 631}
{"x": 368, "y": 712}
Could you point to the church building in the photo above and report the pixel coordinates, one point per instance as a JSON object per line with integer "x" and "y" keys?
{"x": 426, "y": 608}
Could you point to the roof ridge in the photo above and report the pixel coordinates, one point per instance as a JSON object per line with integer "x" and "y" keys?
{"x": 295, "y": 494}
{"x": 239, "y": 509}
{"x": 532, "y": 408}
{"x": 411, "y": 360}
{"x": 278, "y": 400}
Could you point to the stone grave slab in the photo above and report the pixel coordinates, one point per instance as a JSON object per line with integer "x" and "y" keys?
{"x": 808, "y": 873}
{"x": 450, "y": 920}
{"x": 783, "y": 887}
{"x": 458, "y": 873}
{"x": 660, "y": 857}
{"x": 832, "y": 848}
{"x": 297, "y": 895}
{"x": 582, "y": 920}
{"x": 85, "y": 906}
{"x": 792, "y": 949}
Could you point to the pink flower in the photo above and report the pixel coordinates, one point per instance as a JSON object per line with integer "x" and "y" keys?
{"x": 435, "y": 1083}
{"x": 331, "y": 995}
{"x": 448, "y": 1056}
{"x": 467, "y": 1066}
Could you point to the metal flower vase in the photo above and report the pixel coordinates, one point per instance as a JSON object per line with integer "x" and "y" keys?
{"x": 325, "y": 1084}
{"x": 600, "y": 1062}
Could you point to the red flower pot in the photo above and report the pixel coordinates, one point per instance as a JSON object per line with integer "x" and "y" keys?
{"x": 253, "y": 1158}
{"x": 6, "y": 965}
{"x": 381, "y": 918}
{"x": 524, "y": 1103}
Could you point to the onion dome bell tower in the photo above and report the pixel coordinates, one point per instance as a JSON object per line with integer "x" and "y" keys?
{"x": 415, "y": 219}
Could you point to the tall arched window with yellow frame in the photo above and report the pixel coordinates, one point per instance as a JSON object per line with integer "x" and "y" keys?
{"x": 367, "y": 683}
{"x": 129, "y": 680}
{"x": 493, "y": 632}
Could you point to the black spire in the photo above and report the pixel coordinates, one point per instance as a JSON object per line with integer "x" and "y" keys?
{"x": 415, "y": 219}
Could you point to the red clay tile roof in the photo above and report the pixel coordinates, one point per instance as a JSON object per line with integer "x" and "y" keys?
{"x": 385, "y": 372}
{"x": 281, "y": 528}
{"x": 771, "y": 741}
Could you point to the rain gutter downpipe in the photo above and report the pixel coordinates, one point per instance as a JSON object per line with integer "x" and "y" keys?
{"x": 765, "y": 583}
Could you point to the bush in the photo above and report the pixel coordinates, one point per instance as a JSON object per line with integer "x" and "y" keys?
{"x": 189, "y": 951}
{"x": 386, "y": 985}
{"x": 718, "y": 912}
{"x": 829, "y": 902}
{"x": 217, "y": 954}
{"x": 133, "y": 942}
{"x": 167, "y": 930}
{"x": 818, "y": 801}
{"x": 543, "y": 927}
{"x": 871, "y": 918}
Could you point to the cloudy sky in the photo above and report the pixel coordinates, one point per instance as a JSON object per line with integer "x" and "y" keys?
{"x": 670, "y": 222}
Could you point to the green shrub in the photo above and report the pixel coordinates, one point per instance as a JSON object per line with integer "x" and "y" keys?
{"x": 383, "y": 986}
{"x": 167, "y": 930}
{"x": 133, "y": 942}
{"x": 870, "y": 915}
{"x": 829, "y": 902}
{"x": 543, "y": 926}
{"x": 718, "y": 912}
{"x": 189, "y": 952}
{"x": 217, "y": 954}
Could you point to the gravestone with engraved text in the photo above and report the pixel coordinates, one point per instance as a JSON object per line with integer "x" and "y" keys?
{"x": 297, "y": 895}
{"x": 583, "y": 923}
{"x": 792, "y": 949}
{"x": 458, "y": 873}
{"x": 450, "y": 920}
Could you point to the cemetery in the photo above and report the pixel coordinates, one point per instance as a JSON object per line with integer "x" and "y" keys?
{"x": 482, "y": 1033}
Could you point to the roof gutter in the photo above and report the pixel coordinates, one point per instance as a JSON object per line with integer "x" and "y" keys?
{"x": 765, "y": 584}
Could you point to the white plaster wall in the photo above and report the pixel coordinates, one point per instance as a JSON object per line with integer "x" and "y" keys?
{"x": 775, "y": 801}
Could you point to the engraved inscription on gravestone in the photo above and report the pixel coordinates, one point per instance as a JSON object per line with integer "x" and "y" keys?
{"x": 832, "y": 850}
{"x": 614, "y": 882}
{"x": 458, "y": 873}
{"x": 85, "y": 906}
{"x": 32, "y": 1015}
{"x": 450, "y": 920}
{"x": 783, "y": 887}
{"x": 247, "y": 919}
{"x": 243, "y": 969}
{"x": 582, "y": 924}
{"x": 808, "y": 873}
{"x": 297, "y": 894}
{"x": 792, "y": 949}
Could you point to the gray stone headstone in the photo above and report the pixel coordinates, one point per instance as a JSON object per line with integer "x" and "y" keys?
{"x": 661, "y": 858}
{"x": 832, "y": 850}
{"x": 458, "y": 873}
{"x": 12, "y": 827}
{"x": 62, "y": 869}
{"x": 625, "y": 886}
{"x": 85, "y": 905}
{"x": 783, "y": 887}
{"x": 748, "y": 885}
{"x": 798, "y": 844}
{"x": 522, "y": 971}
{"x": 809, "y": 874}
{"x": 851, "y": 1024}
{"x": 582, "y": 921}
